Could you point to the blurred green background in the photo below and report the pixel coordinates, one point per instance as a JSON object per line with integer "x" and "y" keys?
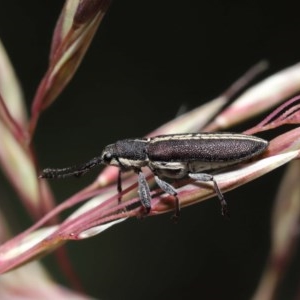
{"x": 148, "y": 59}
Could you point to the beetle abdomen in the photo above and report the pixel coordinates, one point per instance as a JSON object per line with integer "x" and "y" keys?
{"x": 206, "y": 147}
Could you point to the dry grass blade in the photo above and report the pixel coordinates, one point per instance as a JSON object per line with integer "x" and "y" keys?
{"x": 15, "y": 157}
{"x": 10, "y": 90}
{"x": 287, "y": 113}
{"x": 259, "y": 98}
{"x": 285, "y": 233}
{"x": 39, "y": 285}
{"x": 70, "y": 42}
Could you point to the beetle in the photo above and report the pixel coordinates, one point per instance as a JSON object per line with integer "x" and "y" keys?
{"x": 172, "y": 156}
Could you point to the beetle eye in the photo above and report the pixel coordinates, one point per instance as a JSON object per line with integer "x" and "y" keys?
{"x": 107, "y": 157}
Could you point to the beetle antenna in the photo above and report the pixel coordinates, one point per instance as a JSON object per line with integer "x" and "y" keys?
{"x": 77, "y": 170}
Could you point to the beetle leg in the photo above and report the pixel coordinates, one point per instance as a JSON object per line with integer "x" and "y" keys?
{"x": 169, "y": 189}
{"x": 208, "y": 177}
{"x": 144, "y": 191}
{"x": 119, "y": 186}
